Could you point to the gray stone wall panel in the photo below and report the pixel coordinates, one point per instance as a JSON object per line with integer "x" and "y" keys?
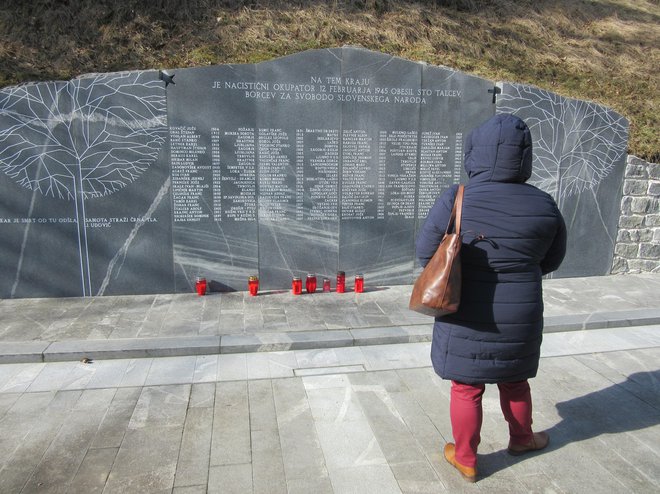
{"x": 138, "y": 182}
{"x": 579, "y": 158}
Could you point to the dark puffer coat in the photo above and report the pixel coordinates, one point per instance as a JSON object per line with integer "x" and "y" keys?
{"x": 513, "y": 234}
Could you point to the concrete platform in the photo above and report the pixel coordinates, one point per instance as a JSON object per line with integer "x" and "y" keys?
{"x": 49, "y": 330}
{"x": 321, "y": 393}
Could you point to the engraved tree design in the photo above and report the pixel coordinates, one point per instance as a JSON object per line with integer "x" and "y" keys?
{"x": 85, "y": 138}
{"x": 82, "y": 139}
{"x": 576, "y": 143}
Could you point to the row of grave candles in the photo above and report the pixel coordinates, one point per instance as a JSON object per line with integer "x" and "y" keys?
{"x": 311, "y": 284}
{"x": 296, "y": 284}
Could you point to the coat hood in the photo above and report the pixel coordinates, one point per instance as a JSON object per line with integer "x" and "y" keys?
{"x": 499, "y": 150}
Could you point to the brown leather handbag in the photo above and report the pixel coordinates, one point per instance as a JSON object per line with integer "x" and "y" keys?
{"x": 437, "y": 291}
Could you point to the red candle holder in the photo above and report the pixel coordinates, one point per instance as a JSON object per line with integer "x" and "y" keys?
{"x": 200, "y": 286}
{"x": 359, "y": 283}
{"x": 341, "y": 282}
{"x": 296, "y": 286}
{"x": 253, "y": 285}
{"x": 326, "y": 284}
{"x": 310, "y": 283}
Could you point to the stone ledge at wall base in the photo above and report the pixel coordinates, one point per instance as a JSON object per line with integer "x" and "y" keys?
{"x": 637, "y": 249}
{"x": 156, "y": 347}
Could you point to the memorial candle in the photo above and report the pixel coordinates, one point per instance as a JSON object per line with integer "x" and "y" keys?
{"x": 253, "y": 285}
{"x": 296, "y": 286}
{"x": 326, "y": 284}
{"x": 200, "y": 286}
{"x": 341, "y": 282}
{"x": 359, "y": 283}
{"x": 310, "y": 283}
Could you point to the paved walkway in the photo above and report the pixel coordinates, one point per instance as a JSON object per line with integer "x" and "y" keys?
{"x": 349, "y": 418}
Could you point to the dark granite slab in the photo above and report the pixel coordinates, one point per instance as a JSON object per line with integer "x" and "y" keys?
{"x": 579, "y": 158}
{"x": 326, "y": 160}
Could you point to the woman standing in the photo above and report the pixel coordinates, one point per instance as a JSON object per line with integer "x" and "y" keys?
{"x": 513, "y": 233}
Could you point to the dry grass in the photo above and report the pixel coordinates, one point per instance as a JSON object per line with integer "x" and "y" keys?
{"x": 606, "y": 51}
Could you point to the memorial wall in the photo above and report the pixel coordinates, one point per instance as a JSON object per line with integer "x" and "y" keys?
{"x": 139, "y": 182}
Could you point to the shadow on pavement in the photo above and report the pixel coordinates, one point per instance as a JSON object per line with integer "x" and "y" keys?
{"x": 628, "y": 406}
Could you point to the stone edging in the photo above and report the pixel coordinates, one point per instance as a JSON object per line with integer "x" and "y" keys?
{"x": 71, "y": 350}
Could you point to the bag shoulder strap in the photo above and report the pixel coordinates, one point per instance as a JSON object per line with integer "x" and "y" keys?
{"x": 456, "y": 212}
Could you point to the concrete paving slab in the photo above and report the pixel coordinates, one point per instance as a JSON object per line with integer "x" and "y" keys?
{"x": 112, "y": 428}
{"x": 304, "y": 461}
{"x": 193, "y": 489}
{"x": 15, "y": 378}
{"x": 7, "y": 401}
{"x": 146, "y": 461}
{"x": 94, "y": 470}
{"x": 135, "y": 374}
{"x": 601, "y": 340}
{"x": 391, "y": 335}
{"x": 231, "y": 426}
{"x": 109, "y": 373}
{"x": 232, "y": 367}
{"x": 347, "y": 432}
{"x": 418, "y": 477}
{"x": 267, "y": 464}
{"x": 171, "y": 370}
{"x": 273, "y": 342}
{"x": 202, "y": 395}
{"x": 131, "y": 348}
{"x": 230, "y": 479}
{"x": 194, "y": 454}
{"x": 320, "y": 371}
{"x": 329, "y": 357}
{"x": 206, "y": 369}
{"x": 61, "y": 461}
{"x": 388, "y": 356}
{"x": 310, "y": 484}
{"x": 147, "y": 458}
{"x": 270, "y": 365}
{"x": 35, "y": 432}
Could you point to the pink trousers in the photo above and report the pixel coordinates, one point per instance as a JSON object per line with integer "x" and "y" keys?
{"x": 466, "y": 416}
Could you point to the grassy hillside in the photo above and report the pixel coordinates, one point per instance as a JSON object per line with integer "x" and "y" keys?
{"x": 606, "y": 51}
